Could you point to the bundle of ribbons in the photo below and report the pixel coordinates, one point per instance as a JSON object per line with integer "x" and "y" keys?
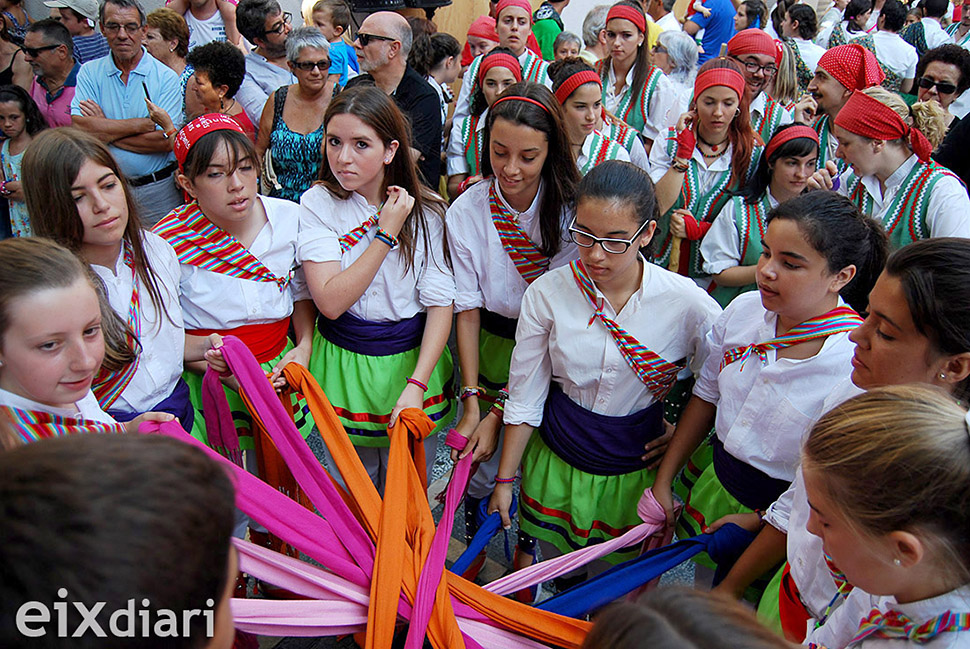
{"x": 384, "y": 560}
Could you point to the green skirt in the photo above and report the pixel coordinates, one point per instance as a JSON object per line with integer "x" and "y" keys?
{"x": 701, "y": 458}
{"x": 240, "y": 414}
{"x": 494, "y": 360}
{"x": 707, "y": 502}
{"x": 768, "y": 607}
{"x": 364, "y": 389}
{"x": 572, "y": 509}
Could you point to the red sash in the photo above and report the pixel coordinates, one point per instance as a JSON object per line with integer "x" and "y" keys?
{"x": 266, "y": 341}
{"x": 794, "y": 616}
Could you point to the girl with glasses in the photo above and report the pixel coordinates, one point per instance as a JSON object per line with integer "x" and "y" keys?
{"x": 891, "y": 176}
{"x": 600, "y": 342}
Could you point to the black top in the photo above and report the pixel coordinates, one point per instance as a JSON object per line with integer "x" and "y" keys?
{"x": 419, "y": 103}
{"x": 952, "y": 153}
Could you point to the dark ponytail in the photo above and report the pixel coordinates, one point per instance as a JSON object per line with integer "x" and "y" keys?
{"x": 428, "y": 51}
{"x": 835, "y": 227}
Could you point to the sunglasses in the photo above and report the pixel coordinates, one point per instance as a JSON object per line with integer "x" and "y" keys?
{"x": 34, "y": 52}
{"x": 367, "y": 38}
{"x": 306, "y": 66}
{"x": 941, "y": 87}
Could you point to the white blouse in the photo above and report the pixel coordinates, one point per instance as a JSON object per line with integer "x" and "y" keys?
{"x": 669, "y": 314}
{"x": 662, "y": 102}
{"x": 721, "y": 246}
{"x": 707, "y": 175}
{"x": 583, "y": 158}
{"x": 948, "y": 212}
{"x": 843, "y": 624}
{"x": 215, "y": 301}
{"x": 162, "y": 338}
{"x": 485, "y": 275}
{"x": 87, "y": 408}
{"x": 455, "y": 160}
{"x": 396, "y": 292}
{"x": 763, "y": 411}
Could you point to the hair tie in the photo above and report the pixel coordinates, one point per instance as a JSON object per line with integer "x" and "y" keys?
{"x": 199, "y": 127}
{"x": 499, "y": 60}
{"x": 519, "y": 98}
{"x": 574, "y": 81}
{"x": 628, "y": 13}
{"x": 789, "y": 134}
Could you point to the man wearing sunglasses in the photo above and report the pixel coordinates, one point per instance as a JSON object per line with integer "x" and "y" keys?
{"x": 47, "y": 48}
{"x": 109, "y": 103}
{"x": 382, "y": 45}
{"x": 264, "y": 24}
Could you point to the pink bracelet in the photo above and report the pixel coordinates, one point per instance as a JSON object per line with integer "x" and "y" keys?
{"x": 414, "y": 381}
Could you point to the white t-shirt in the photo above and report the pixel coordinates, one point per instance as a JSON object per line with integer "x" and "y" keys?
{"x": 895, "y": 54}
{"x": 205, "y": 31}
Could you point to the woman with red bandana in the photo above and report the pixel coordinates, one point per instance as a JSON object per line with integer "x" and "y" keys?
{"x": 891, "y": 176}
{"x": 710, "y": 153}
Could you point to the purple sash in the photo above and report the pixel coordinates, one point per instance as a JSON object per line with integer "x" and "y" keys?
{"x": 594, "y": 443}
{"x": 177, "y": 404}
{"x": 498, "y": 325}
{"x": 372, "y": 338}
{"x": 751, "y": 487}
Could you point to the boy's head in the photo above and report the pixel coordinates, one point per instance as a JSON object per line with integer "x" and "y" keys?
{"x": 117, "y": 522}
{"x": 332, "y": 18}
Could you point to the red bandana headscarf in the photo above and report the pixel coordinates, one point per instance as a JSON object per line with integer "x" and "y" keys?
{"x": 202, "y": 125}
{"x": 752, "y": 41}
{"x": 853, "y": 66}
{"x": 726, "y": 77}
{"x": 869, "y": 117}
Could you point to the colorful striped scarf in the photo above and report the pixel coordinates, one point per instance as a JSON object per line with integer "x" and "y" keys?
{"x": 530, "y": 263}
{"x": 839, "y": 320}
{"x": 351, "y": 239}
{"x": 201, "y": 243}
{"x": 893, "y": 625}
{"x": 108, "y": 386}
{"x": 34, "y": 425}
{"x": 653, "y": 371}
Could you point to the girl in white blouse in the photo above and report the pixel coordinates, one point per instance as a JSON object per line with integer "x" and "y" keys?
{"x": 773, "y": 357}
{"x": 599, "y": 345}
{"x": 887, "y": 481}
{"x": 81, "y": 200}
{"x": 372, "y": 244}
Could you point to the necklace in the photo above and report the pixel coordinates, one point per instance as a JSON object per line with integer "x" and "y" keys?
{"x": 714, "y": 147}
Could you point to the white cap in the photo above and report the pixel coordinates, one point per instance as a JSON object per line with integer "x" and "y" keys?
{"x": 87, "y": 8}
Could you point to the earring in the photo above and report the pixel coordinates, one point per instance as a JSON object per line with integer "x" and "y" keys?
{"x": 222, "y": 103}
{"x": 897, "y": 562}
{"x": 943, "y": 376}
{"x": 171, "y": 49}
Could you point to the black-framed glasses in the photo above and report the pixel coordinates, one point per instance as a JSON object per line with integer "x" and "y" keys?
{"x": 306, "y": 66}
{"x": 942, "y": 87}
{"x": 753, "y": 68}
{"x": 584, "y": 239}
{"x": 34, "y": 52}
{"x": 367, "y": 38}
{"x": 114, "y": 28}
{"x": 280, "y": 27}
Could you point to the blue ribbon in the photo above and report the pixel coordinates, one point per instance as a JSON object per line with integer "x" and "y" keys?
{"x": 488, "y": 526}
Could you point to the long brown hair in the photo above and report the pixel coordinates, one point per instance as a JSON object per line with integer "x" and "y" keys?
{"x": 559, "y": 173}
{"x": 374, "y": 108}
{"x": 51, "y": 164}
{"x": 743, "y": 138}
{"x": 642, "y": 63}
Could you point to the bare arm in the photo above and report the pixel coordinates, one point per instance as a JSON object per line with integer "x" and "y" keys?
{"x": 691, "y": 27}
{"x": 516, "y": 439}
{"x": 453, "y": 182}
{"x": 906, "y": 87}
{"x": 694, "y": 424}
{"x": 304, "y": 316}
{"x": 764, "y": 553}
{"x": 23, "y": 75}
{"x": 154, "y": 142}
{"x": 228, "y": 12}
{"x": 668, "y": 188}
{"x": 265, "y": 127}
{"x": 736, "y": 276}
{"x": 109, "y": 130}
{"x": 437, "y": 328}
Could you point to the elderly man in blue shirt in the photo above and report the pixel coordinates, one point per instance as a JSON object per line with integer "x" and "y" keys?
{"x": 109, "y": 103}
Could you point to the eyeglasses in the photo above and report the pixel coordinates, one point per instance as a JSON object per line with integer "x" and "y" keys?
{"x": 941, "y": 87}
{"x": 659, "y": 49}
{"x": 367, "y": 38}
{"x": 306, "y": 66}
{"x": 584, "y": 239}
{"x": 34, "y": 52}
{"x": 280, "y": 27}
{"x": 114, "y": 28}
{"x": 753, "y": 68}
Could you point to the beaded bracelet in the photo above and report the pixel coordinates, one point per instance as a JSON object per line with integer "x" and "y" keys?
{"x": 414, "y": 381}
{"x": 499, "y": 406}
{"x": 383, "y": 236}
{"x": 680, "y": 167}
{"x": 471, "y": 391}
{"x": 505, "y": 480}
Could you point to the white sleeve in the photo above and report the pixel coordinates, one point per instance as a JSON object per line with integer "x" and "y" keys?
{"x": 779, "y": 512}
{"x": 622, "y": 154}
{"x": 455, "y": 160}
{"x": 464, "y": 100}
{"x": 662, "y": 101}
{"x": 659, "y": 161}
{"x": 531, "y": 369}
{"x": 706, "y": 386}
{"x": 706, "y": 315}
{"x": 469, "y": 293}
{"x": 436, "y": 282}
{"x": 948, "y": 214}
{"x": 638, "y": 154}
{"x": 317, "y": 241}
{"x": 721, "y": 246}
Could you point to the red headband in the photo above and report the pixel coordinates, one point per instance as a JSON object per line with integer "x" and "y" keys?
{"x": 628, "y": 13}
{"x": 484, "y": 27}
{"x": 789, "y": 134}
{"x": 869, "y": 117}
{"x": 853, "y": 66}
{"x": 499, "y": 60}
{"x": 505, "y": 4}
{"x": 752, "y": 41}
{"x": 727, "y": 77}
{"x": 518, "y": 98}
{"x": 202, "y": 125}
{"x": 574, "y": 81}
